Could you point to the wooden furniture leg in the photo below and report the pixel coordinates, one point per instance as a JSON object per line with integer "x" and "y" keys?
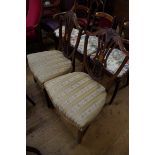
{"x": 32, "y": 149}
{"x": 115, "y": 92}
{"x": 49, "y": 103}
{"x": 81, "y": 134}
{"x": 127, "y": 81}
{"x": 30, "y": 100}
{"x": 34, "y": 80}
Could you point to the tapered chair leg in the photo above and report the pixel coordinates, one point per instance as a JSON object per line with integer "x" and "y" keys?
{"x": 30, "y": 100}
{"x": 34, "y": 80}
{"x": 81, "y": 134}
{"x": 127, "y": 81}
{"x": 115, "y": 92}
{"x": 73, "y": 69}
{"x": 49, "y": 103}
{"x": 32, "y": 149}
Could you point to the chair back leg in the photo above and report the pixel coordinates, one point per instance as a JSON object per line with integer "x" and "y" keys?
{"x": 32, "y": 149}
{"x": 115, "y": 92}
{"x": 81, "y": 133}
{"x": 49, "y": 103}
{"x": 30, "y": 100}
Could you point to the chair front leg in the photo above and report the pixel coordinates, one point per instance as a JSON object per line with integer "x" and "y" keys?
{"x": 30, "y": 100}
{"x": 49, "y": 103}
{"x": 127, "y": 81}
{"x": 81, "y": 134}
{"x": 34, "y": 79}
{"x": 32, "y": 149}
{"x": 115, "y": 91}
{"x": 73, "y": 65}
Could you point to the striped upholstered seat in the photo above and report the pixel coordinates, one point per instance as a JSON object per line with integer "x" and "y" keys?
{"x": 48, "y": 65}
{"x": 77, "y": 96}
{"x": 51, "y": 64}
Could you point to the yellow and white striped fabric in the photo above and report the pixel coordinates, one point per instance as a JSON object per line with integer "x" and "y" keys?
{"x": 77, "y": 96}
{"x": 48, "y": 65}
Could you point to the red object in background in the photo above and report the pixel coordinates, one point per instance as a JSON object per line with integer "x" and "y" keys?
{"x": 103, "y": 22}
{"x": 33, "y": 9}
{"x": 27, "y": 6}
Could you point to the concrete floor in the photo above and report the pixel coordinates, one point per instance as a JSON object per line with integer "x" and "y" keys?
{"x": 107, "y": 135}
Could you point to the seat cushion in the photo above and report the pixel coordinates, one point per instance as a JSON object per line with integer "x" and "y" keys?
{"x": 114, "y": 61}
{"x": 77, "y": 96}
{"x": 48, "y": 65}
{"x": 92, "y": 42}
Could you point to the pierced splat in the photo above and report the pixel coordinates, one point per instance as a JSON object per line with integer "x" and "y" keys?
{"x": 108, "y": 40}
{"x": 69, "y": 21}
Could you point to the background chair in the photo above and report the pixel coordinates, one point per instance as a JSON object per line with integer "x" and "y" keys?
{"x": 49, "y": 9}
{"x": 101, "y": 20}
{"x": 115, "y": 56}
{"x": 33, "y": 31}
{"x": 85, "y": 15}
{"x": 47, "y": 65}
{"x": 125, "y": 30}
{"x": 79, "y": 97}
{"x": 82, "y": 12}
{"x": 86, "y": 12}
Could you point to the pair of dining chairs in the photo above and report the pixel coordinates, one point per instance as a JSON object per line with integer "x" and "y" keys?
{"x": 102, "y": 20}
{"x": 78, "y": 96}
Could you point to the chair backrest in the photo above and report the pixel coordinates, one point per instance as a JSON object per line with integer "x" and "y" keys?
{"x": 87, "y": 10}
{"x": 69, "y": 21}
{"x": 34, "y": 12}
{"x": 103, "y": 20}
{"x": 108, "y": 40}
{"x": 82, "y": 12}
{"x": 118, "y": 24}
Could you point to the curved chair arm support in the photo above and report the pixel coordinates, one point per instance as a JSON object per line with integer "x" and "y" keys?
{"x": 105, "y": 15}
{"x": 58, "y": 14}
